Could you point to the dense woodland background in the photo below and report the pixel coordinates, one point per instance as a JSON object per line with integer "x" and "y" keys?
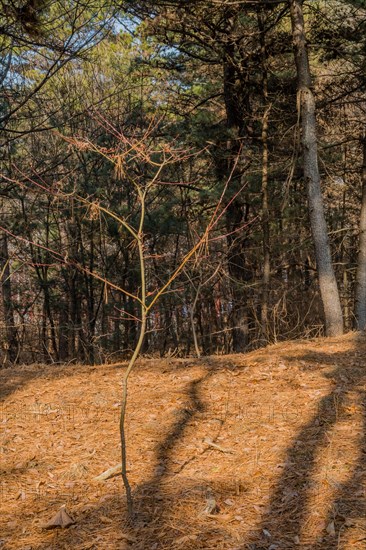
{"x": 197, "y": 102}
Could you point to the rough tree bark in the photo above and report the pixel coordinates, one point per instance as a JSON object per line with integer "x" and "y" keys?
{"x": 306, "y": 104}
{"x": 6, "y": 291}
{"x": 237, "y": 106}
{"x": 360, "y": 297}
{"x": 240, "y": 275}
{"x": 266, "y": 272}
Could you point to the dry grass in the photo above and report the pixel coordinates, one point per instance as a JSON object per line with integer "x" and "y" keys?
{"x": 291, "y": 418}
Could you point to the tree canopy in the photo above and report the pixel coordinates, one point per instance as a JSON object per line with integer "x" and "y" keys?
{"x": 95, "y": 97}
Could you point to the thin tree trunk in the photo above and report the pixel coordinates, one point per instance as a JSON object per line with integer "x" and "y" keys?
{"x": 360, "y": 297}
{"x": 116, "y": 333}
{"x": 327, "y": 281}
{"x": 240, "y": 275}
{"x": 266, "y": 231}
{"x": 48, "y": 313}
{"x": 265, "y": 208}
{"x": 76, "y": 351}
{"x": 45, "y": 350}
{"x": 74, "y": 316}
{"x": 142, "y": 332}
{"x": 6, "y": 290}
{"x": 192, "y": 320}
{"x": 237, "y": 108}
{"x": 63, "y": 336}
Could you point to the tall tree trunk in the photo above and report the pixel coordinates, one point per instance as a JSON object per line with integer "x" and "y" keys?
{"x": 237, "y": 213}
{"x": 327, "y": 281}
{"x": 265, "y": 207}
{"x": 92, "y": 311}
{"x": 11, "y": 331}
{"x": 360, "y": 297}
{"x": 266, "y": 231}
{"x": 237, "y": 110}
{"x": 63, "y": 336}
{"x": 116, "y": 338}
{"x": 48, "y": 315}
{"x": 76, "y": 349}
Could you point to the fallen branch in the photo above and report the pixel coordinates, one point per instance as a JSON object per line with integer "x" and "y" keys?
{"x": 111, "y": 472}
{"x": 210, "y": 443}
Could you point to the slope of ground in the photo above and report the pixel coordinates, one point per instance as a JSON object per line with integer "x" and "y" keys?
{"x": 275, "y": 439}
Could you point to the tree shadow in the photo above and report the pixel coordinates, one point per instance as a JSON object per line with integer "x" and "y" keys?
{"x": 155, "y": 499}
{"x": 17, "y": 377}
{"x": 348, "y": 509}
{"x": 12, "y": 380}
{"x": 283, "y": 524}
{"x": 154, "y": 504}
{"x": 164, "y": 502}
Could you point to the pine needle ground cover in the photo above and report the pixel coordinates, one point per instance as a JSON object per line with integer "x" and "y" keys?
{"x": 265, "y": 450}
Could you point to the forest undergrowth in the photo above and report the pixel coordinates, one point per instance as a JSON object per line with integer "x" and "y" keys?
{"x": 264, "y": 450}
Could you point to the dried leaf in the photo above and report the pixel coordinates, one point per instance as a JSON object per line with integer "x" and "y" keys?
{"x": 61, "y": 519}
{"x": 331, "y": 529}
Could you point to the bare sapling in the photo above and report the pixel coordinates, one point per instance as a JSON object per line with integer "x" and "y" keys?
{"x": 126, "y": 156}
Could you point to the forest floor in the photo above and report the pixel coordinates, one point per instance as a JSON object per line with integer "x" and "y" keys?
{"x": 265, "y": 450}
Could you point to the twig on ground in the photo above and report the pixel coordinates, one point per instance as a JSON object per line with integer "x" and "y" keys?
{"x": 111, "y": 472}
{"x": 210, "y": 443}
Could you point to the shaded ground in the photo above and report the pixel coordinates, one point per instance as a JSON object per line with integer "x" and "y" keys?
{"x": 289, "y": 470}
